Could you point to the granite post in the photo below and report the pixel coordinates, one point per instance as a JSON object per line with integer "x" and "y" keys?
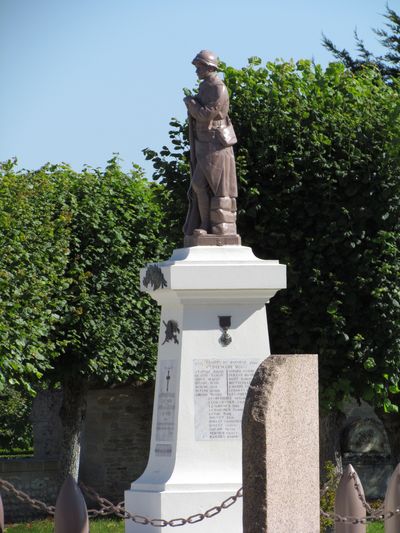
{"x": 281, "y": 447}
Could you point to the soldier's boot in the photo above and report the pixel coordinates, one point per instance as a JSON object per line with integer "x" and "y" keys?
{"x": 223, "y": 215}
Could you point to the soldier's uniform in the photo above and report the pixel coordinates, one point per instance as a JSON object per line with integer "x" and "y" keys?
{"x": 213, "y": 172}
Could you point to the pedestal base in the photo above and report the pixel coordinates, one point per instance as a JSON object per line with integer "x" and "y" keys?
{"x": 211, "y": 240}
{"x": 213, "y": 336}
{"x": 185, "y": 503}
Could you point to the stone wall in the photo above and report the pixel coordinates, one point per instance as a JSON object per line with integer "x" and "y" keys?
{"x": 46, "y": 424}
{"x": 35, "y": 477}
{"x": 116, "y": 438}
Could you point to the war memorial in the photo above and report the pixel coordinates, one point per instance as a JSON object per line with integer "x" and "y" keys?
{"x": 213, "y": 337}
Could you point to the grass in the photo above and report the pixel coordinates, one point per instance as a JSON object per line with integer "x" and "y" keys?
{"x": 46, "y": 526}
{"x": 375, "y": 527}
{"x": 115, "y": 526}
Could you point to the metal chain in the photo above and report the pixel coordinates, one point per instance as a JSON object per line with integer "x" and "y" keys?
{"x": 354, "y": 520}
{"x": 23, "y": 497}
{"x": 374, "y": 514}
{"x": 360, "y": 494}
{"x": 107, "y": 507}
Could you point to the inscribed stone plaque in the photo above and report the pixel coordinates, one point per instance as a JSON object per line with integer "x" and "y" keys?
{"x": 163, "y": 450}
{"x": 166, "y": 401}
{"x": 220, "y": 388}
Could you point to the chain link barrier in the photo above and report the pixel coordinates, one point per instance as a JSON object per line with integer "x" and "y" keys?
{"x": 374, "y": 515}
{"x": 108, "y": 508}
{"x": 23, "y": 497}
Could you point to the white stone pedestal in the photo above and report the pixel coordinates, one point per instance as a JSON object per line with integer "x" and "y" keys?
{"x": 202, "y": 380}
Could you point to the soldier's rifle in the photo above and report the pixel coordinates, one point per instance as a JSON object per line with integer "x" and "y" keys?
{"x": 192, "y": 144}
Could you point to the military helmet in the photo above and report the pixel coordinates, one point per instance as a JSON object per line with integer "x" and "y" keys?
{"x": 207, "y": 58}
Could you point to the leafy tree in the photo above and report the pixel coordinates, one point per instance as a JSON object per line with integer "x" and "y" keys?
{"x": 318, "y": 167}
{"x": 15, "y": 426}
{"x": 34, "y": 238}
{"x": 71, "y": 311}
{"x": 388, "y": 63}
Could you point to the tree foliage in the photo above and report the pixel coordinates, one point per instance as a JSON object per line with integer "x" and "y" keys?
{"x": 318, "y": 171}
{"x": 15, "y": 426}
{"x": 72, "y": 245}
{"x": 34, "y": 237}
{"x": 71, "y": 311}
{"x": 388, "y": 63}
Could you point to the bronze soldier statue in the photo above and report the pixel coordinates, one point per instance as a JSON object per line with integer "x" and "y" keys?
{"x": 211, "y": 217}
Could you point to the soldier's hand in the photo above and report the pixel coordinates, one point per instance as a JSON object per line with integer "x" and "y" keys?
{"x": 188, "y": 100}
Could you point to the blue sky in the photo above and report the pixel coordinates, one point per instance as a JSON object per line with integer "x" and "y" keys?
{"x": 81, "y": 79}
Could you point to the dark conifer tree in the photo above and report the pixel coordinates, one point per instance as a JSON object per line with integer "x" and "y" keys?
{"x": 388, "y": 63}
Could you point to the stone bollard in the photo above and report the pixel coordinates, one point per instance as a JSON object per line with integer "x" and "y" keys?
{"x": 71, "y": 512}
{"x": 392, "y": 502}
{"x": 281, "y": 447}
{"x": 349, "y": 501}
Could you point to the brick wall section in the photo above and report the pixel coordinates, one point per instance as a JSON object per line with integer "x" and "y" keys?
{"x": 116, "y": 438}
{"x": 46, "y": 424}
{"x": 36, "y": 478}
